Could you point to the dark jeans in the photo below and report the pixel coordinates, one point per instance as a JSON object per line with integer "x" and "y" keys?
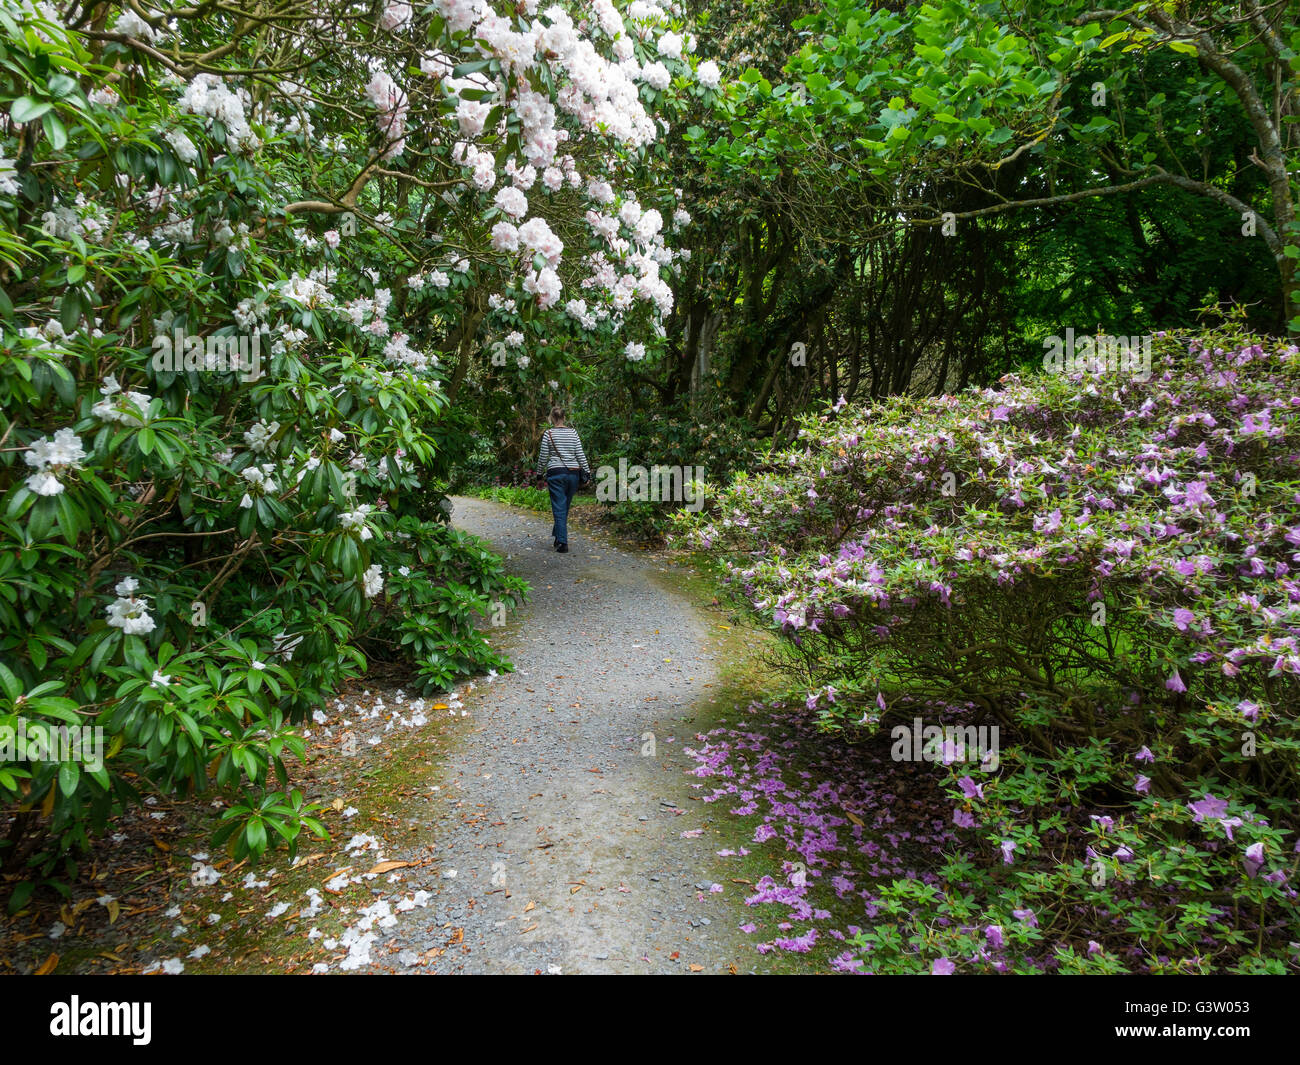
{"x": 563, "y": 486}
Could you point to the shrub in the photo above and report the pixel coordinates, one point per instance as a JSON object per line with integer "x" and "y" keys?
{"x": 670, "y": 436}
{"x": 1101, "y": 565}
{"x": 198, "y": 542}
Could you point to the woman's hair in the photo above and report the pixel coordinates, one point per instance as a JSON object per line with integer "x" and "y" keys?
{"x": 557, "y": 415}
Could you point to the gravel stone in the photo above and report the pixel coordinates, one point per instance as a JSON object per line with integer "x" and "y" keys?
{"x": 549, "y": 775}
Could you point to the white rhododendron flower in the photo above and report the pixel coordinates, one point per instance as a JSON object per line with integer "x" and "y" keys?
{"x": 128, "y": 612}
{"x": 600, "y": 191}
{"x": 537, "y": 235}
{"x": 209, "y": 95}
{"x": 545, "y": 285}
{"x": 670, "y": 44}
{"x": 356, "y": 519}
{"x": 260, "y": 436}
{"x": 308, "y": 292}
{"x": 471, "y": 116}
{"x": 512, "y": 202}
{"x": 649, "y": 225}
{"x": 129, "y": 24}
{"x": 184, "y": 148}
{"x": 125, "y": 408}
{"x": 656, "y": 76}
{"x": 261, "y": 477}
{"x": 395, "y": 16}
{"x": 9, "y": 177}
{"x": 51, "y": 457}
{"x": 505, "y": 237}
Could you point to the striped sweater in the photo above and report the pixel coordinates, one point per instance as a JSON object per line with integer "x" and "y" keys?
{"x": 561, "y": 449}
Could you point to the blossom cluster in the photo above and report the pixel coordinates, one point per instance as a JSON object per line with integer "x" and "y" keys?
{"x": 52, "y": 459}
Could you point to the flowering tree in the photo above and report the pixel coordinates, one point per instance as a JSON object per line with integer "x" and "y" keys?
{"x": 246, "y": 261}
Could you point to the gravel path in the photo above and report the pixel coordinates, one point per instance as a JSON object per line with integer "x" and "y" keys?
{"x": 563, "y": 830}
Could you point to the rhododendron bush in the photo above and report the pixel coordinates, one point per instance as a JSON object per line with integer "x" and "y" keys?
{"x": 245, "y": 266}
{"x": 1104, "y": 567}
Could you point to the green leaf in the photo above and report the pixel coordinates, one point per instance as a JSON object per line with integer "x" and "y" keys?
{"x": 70, "y": 310}
{"x": 55, "y": 130}
{"x": 27, "y": 108}
{"x": 20, "y": 895}
{"x": 924, "y": 96}
{"x": 61, "y": 85}
{"x": 10, "y": 683}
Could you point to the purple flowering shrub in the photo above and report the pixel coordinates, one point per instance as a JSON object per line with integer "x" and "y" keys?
{"x": 1104, "y": 568}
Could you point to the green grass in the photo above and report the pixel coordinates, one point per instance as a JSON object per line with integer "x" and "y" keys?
{"x": 529, "y": 498}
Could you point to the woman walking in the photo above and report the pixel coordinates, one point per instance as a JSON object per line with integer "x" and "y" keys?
{"x": 564, "y": 465}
